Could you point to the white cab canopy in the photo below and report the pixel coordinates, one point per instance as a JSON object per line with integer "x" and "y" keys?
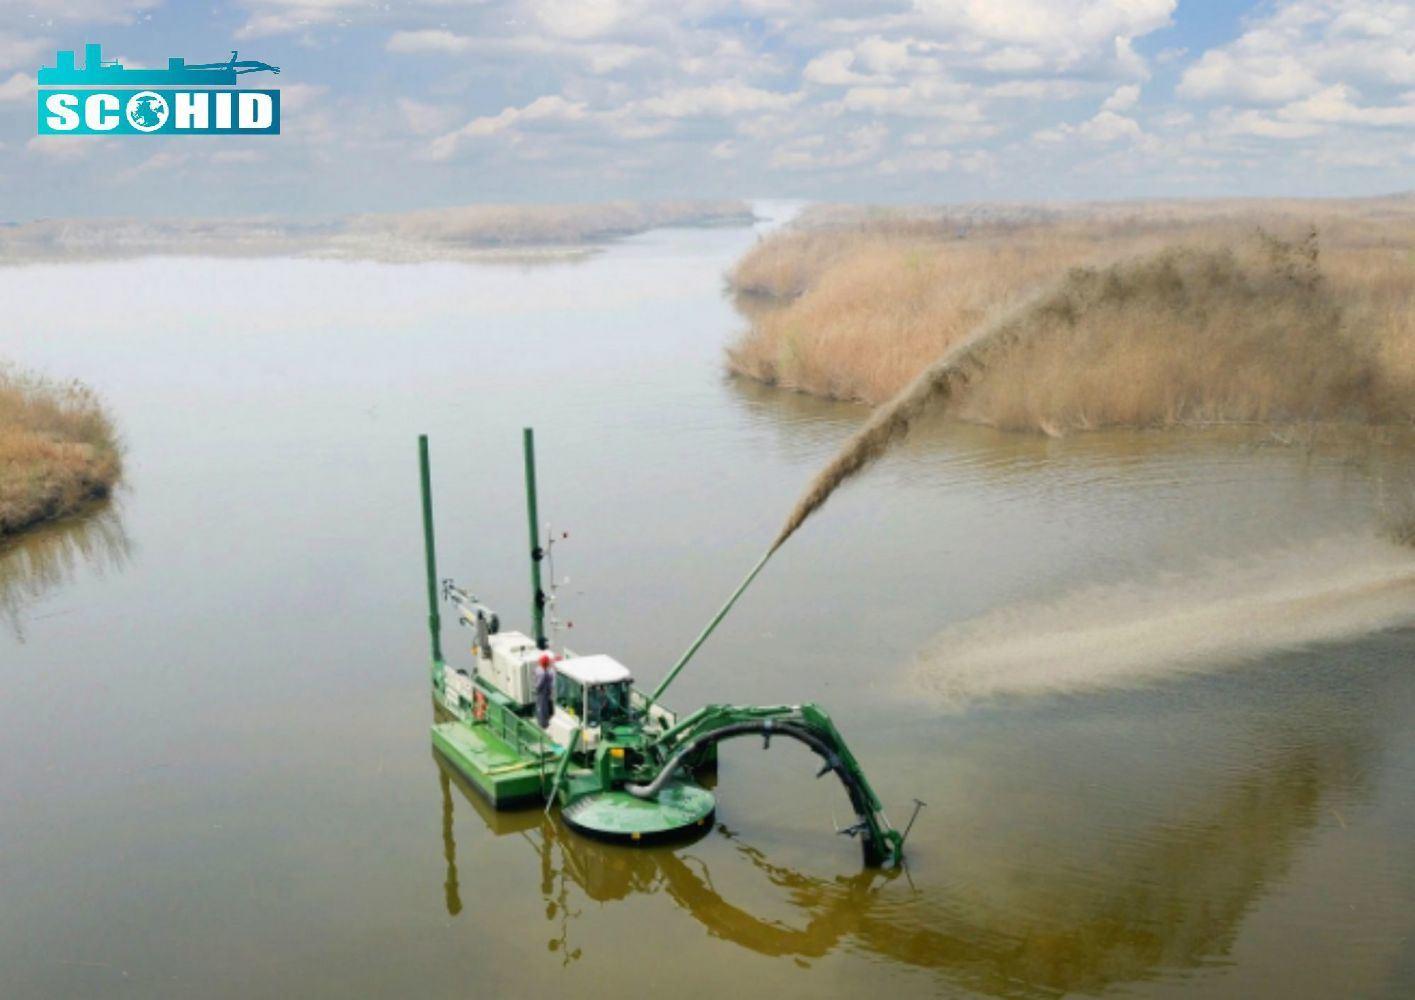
{"x": 596, "y": 669}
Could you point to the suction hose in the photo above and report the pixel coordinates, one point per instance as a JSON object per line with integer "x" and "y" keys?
{"x": 859, "y": 800}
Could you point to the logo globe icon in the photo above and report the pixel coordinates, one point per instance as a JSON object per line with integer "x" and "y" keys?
{"x": 147, "y": 111}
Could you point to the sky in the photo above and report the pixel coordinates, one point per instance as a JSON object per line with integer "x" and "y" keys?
{"x": 420, "y": 103}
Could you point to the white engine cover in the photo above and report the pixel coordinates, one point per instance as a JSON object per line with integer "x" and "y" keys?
{"x": 511, "y": 666}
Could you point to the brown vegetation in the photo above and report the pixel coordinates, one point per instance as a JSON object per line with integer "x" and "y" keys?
{"x": 57, "y": 450}
{"x": 1140, "y": 315}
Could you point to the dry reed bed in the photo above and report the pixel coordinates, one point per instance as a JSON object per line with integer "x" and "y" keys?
{"x": 1141, "y": 315}
{"x": 58, "y": 450}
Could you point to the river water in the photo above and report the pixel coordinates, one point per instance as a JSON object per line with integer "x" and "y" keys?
{"x": 215, "y": 771}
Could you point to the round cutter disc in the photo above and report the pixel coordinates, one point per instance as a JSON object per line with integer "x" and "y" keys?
{"x": 681, "y": 808}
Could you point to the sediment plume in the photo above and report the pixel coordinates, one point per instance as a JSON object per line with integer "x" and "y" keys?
{"x": 1137, "y": 632}
{"x": 888, "y": 423}
{"x": 934, "y": 386}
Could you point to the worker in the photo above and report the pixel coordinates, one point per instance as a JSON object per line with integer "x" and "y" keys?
{"x": 545, "y": 689}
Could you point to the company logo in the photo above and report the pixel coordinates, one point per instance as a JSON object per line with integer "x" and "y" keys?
{"x": 108, "y": 98}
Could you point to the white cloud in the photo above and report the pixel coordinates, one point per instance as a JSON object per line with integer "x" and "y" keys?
{"x": 949, "y": 134}
{"x": 598, "y": 57}
{"x": 1332, "y": 74}
{"x": 1051, "y": 22}
{"x": 239, "y": 156}
{"x": 854, "y": 148}
{"x": 791, "y": 83}
{"x": 280, "y": 17}
{"x": 1360, "y": 158}
{"x": 1266, "y": 77}
{"x": 820, "y": 96}
{"x": 1035, "y": 90}
{"x": 299, "y": 97}
{"x": 1299, "y": 46}
{"x": 17, "y": 51}
{"x": 65, "y": 148}
{"x": 1123, "y": 99}
{"x": 423, "y": 118}
{"x": 1105, "y": 127}
{"x": 20, "y": 87}
{"x": 876, "y": 59}
{"x": 724, "y": 99}
{"x": 934, "y": 161}
{"x": 889, "y": 57}
{"x": 927, "y": 161}
{"x": 280, "y": 23}
{"x": 833, "y": 68}
{"x": 429, "y": 40}
{"x": 582, "y": 18}
{"x": 551, "y": 107}
{"x": 157, "y": 163}
{"x": 846, "y": 93}
{"x": 1227, "y": 121}
{"x": 924, "y": 97}
{"x": 1014, "y": 59}
{"x": 79, "y": 11}
{"x": 1334, "y": 105}
{"x": 1129, "y": 62}
{"x": 1030, "y": 35}
{"x": 767, "y": 126}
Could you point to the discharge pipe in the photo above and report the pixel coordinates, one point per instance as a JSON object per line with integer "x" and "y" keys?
{"x": 716, "y": 620}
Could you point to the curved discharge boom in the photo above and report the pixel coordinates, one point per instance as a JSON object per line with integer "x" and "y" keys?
{"x": 808, "y": 724}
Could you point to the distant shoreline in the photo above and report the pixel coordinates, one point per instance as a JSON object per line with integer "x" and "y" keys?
{"x": 470, "y": 233}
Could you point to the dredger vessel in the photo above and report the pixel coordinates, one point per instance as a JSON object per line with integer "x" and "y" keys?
{"x": 617, "y": 763}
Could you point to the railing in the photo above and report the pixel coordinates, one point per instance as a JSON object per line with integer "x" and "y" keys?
{"x": 522, "y": 735}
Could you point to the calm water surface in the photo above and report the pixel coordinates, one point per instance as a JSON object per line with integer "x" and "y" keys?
{"x": 215, "y": 772}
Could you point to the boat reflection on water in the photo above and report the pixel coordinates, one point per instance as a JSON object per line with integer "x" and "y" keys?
{"x": 1005, "y": 905}
{"x": 48, "y": 557}
{"x": 830, "y": 909}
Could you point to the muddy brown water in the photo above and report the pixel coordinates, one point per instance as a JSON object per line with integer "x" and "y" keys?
{"x": 215, "y": 773}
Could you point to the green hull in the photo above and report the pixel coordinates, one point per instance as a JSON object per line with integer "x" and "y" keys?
{"x": 507, "y": 779}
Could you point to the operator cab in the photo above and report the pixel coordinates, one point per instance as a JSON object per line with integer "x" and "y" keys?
{"x": 591, "y": 692}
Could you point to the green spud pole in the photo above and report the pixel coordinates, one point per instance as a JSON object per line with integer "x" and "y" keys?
{"x": 537, "y": 553}
{"x": 434, "y": 620}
